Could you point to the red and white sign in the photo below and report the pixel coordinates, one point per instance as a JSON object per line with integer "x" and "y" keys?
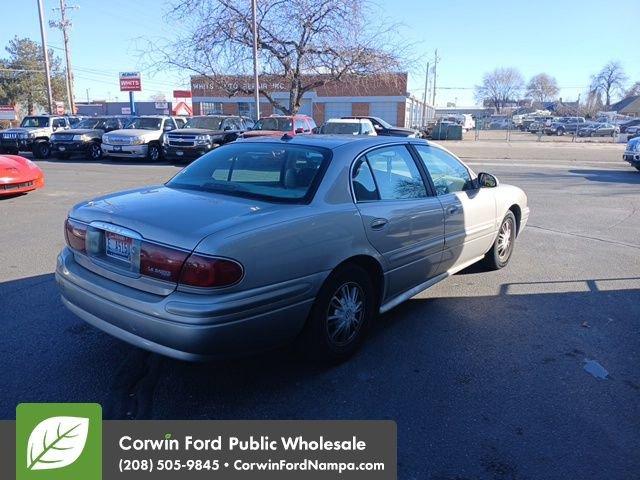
{"x": 130, "y": 82}
{"x": 182, "y": 94}
{"x": 7, "y": 112}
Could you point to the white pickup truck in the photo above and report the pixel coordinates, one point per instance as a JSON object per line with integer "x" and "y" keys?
{"x": 141, "y": 138}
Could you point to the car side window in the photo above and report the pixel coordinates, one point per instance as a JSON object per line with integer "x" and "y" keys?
{"x": 367, "y": 128}
{"x": 302, "y": 125}
{"x": 364, "y": 186}
{"x": 396, "y": 174}
{"x": 447, "y": 173}
{"x": 57, "y": 123}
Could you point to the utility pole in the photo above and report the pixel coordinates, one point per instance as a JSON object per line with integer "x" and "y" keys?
{"x": 256, "y": 81}
{"x": 88, "y": 96}
{"x": 45, "y": 54}
{"x": 64, "y": 25}
{"x": 424, "y": 97}
{"x": 435, "y": 76}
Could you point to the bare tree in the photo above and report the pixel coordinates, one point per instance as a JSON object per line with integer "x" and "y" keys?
{"x": 609, "y": 81}
{"x": 499, "y": 87}
{"x": 542, "y": 88}
{"x": 633, "y": 91}
{"x": 303, "y": 45}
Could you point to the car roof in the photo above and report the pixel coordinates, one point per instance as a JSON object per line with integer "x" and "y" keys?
{"x": 333, "y": 141}
{"x": 347, "y": 120}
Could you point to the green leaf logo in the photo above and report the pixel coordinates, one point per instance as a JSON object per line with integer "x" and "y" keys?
{"x": 57, "y": 442}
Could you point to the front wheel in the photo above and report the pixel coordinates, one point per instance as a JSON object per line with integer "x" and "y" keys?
{"x": 340, "y": 316}
{"x": 559, "y": 132}
{"x": 502, "y": 248}
{"x": 153, "y": 153}
{"x": 95, "y": 151}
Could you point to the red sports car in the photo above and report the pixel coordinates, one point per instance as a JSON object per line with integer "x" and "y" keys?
{"x": 19, "y": 175}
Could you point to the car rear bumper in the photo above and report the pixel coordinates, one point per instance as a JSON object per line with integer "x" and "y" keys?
{"x": 188, "y": 326}
{"x": 21, "y": 187}
{"x": 125, "y": 151}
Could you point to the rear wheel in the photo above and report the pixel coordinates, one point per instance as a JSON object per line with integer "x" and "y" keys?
{"x": 42, "y": 150}
{"x": 340, "y": 316}
{"x": 502, "y": 248}
{"x": 560, "y": 132}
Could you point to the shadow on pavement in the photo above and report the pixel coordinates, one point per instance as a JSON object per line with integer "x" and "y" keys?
{"x": 610, "y": 176}
{"x": 499, "y": 377}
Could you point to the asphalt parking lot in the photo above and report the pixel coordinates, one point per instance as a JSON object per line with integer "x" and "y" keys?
{"x": 488, "y": 375}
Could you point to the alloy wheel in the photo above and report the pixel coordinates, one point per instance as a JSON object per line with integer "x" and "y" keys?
{"x": 345, "y": 313}
{"x": 505, "y": 240}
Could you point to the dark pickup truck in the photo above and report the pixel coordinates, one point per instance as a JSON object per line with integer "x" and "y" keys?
{"x": 565, "y": 125}
{"x": 32, "y": 135}
{"x": 86, "y": 137}
{"x": 202, "y": 134}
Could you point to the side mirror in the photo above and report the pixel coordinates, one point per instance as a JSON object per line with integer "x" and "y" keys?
{"x": 299, "y": 130}
{"x": 168, "y": 128}
{"x": 486, "y": 180}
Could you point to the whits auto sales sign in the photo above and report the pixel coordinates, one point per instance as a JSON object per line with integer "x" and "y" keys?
{"x": 130, "y": 82}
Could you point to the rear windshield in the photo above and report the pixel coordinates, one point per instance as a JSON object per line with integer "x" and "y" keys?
{"x": 339, "y": 128}
{"x": 268, "y": 171}
{"x": 281, "y": 124}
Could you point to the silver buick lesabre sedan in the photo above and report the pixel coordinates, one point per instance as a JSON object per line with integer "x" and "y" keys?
{"x": 266, "y": 241}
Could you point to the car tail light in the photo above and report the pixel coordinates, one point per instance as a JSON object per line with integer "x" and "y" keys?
{"x": 161, "y": 262}
{"x": 210, "y": 272}
{"x": 75, "y": 234}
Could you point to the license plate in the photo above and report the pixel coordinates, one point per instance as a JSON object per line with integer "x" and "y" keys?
{"x": 118, "y": 246}
{"x": 61, "y": 148}
{"x": 117, "y": 149}
{"x": 179, "y": 153}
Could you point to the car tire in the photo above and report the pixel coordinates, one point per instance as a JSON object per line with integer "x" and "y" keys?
{"x": 560, "y": 132}
{"x": 340, "y": 316}
{"x": 500, "y": 253}
{"x": 95, "y": 151}
{"x": 154, "y": 152}
{"x": 42, "y": 150}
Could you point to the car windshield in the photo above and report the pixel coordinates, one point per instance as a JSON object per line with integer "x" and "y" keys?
{"x": 267, "y": 171}
{"x": 39, "y": 122}
{"x": 92, "y": 123}
{"x": 210, "y": 123}
{"x": 145, "y": 123}
{"x": 282, "y": 124}
{"x": 340, "y": 128}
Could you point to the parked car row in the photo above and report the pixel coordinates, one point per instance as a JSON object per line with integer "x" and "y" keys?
{"x": 176, "y": 139}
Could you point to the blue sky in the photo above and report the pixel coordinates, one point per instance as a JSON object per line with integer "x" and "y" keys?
{"x": 568, "y": 39}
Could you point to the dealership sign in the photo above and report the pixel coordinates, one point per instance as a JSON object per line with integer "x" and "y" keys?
{"x": 7, "y": 112}
{"x": 130, "y": 82}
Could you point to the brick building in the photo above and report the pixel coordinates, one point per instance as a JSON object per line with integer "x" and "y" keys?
{"x": 382, "y": 96}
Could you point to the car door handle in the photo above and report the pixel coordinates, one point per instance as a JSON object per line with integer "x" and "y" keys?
{"x": 453, "y": 209}
{"x": 379, "y": 223}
